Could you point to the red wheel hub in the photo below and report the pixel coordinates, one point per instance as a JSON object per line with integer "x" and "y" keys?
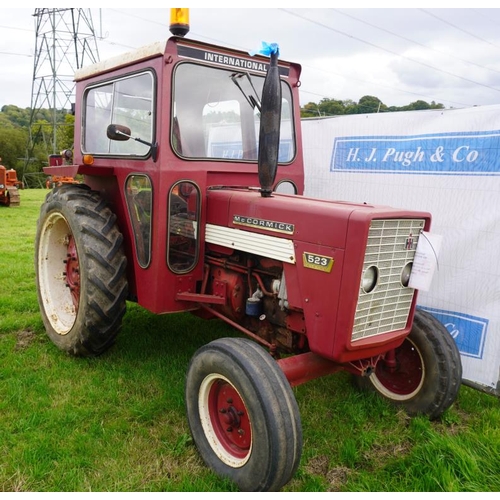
{"x": 403, "y": 374}
{"x": 72, "y": 272}
{"x": 229, "y": 418}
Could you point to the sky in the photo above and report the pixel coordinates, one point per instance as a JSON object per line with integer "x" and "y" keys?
{"x": 400, "y": 55}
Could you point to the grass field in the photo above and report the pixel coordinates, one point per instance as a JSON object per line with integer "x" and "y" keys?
{"x": 117, "y": 422}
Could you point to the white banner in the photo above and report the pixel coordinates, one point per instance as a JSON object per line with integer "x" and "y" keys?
{"x": 446, "y": 162}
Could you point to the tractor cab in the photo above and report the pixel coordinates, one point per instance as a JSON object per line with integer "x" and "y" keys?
{"x": 162, "y": 126}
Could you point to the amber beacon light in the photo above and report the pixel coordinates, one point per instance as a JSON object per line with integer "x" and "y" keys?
{"x": 179, "y": 22}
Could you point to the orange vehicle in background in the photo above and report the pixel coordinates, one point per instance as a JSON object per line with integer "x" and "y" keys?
{"x": 9, "y": 187}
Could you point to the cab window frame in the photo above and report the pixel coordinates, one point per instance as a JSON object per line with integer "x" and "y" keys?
{"x": 247, "y": 126}
{"x": 112, "y": 148}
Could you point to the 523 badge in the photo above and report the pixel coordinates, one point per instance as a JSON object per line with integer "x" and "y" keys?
{"x": 318, "y": 262}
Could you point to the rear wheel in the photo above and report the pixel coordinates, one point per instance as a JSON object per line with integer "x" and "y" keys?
{"x": 424, "y": 374}
{"x": 80, "y": 270}
{"x": 243, "y": 414}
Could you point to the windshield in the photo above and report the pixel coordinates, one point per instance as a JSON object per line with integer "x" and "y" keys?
{"x": 217, "y": 114}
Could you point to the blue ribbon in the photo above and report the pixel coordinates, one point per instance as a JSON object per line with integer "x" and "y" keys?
{"x": 267, "y": 49}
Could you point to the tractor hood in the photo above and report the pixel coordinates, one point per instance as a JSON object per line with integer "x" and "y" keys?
{"x": 292, "y": 217}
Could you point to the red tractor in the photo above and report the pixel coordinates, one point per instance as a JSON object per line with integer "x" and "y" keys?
{"x": 9, "y": 187}
{"x": 192, "y": 201}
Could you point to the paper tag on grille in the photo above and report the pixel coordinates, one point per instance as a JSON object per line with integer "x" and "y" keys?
{"x": 425, "y": 262}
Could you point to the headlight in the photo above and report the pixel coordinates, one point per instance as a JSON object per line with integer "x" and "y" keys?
{"x": 370, "y": 279}
{"x": 405, "y": 274}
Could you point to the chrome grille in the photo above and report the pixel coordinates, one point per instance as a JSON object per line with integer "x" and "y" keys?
{"x": 391, "y": 245}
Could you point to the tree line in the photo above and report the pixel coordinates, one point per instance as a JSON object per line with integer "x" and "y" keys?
{"x": 367, "y": 104}
{"x": 28, "y": 153}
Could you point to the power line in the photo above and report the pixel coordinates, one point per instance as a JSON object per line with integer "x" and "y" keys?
{"x": 480, "y": 12}
{"x": 15, "y": 28}
{"x": 302, "y": 91}
{"x": 116, "y": 44}
{"x": 158, "y": 21}
{"x": 447, "y": 54}
{"x": 166, "y": 26}
{"x": 135, "y": 16}
{"x": 458, "y": 28}
{"x": 389, "y": 51}
{"x": 15, "y": 54}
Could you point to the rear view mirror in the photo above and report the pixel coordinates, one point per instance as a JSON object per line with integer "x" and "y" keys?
{"x": 118, "y": 132}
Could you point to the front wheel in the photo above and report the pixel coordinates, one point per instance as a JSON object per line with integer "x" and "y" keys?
{"x": 424, "y": 374}
{"x": 243, "y": 414}
{"x": 80, "y": 270}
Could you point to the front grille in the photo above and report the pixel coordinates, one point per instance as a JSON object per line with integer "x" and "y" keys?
{"x": 391, "y": 245}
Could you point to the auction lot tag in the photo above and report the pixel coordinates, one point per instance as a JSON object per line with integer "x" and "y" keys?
{"x": 425, "y": 262}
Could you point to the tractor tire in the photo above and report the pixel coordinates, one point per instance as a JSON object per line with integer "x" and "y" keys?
{"x": 80, "y": 270}
{"x": 427, "y": 374}
{"x": 243, "y": 414}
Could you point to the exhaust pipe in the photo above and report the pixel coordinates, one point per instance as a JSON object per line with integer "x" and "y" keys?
{"x": 270, "y": 120}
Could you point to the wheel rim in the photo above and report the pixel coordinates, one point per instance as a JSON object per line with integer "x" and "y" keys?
{"x": 58, "y": 273}
{"x": 73, "y": 272}
{"x": 225, "y": 420}
{"x": 403, "y": 381}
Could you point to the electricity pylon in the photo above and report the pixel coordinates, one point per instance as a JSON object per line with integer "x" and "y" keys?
{"x": 65, "y": 42}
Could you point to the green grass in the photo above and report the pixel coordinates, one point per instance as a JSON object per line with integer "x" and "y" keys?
{"x": 118, "y": 423}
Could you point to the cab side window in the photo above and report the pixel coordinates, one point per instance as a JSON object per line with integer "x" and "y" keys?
{"x": 127, "y": 101}
{"x": 183, "y": 227}
{"x": 139, "y": 196}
